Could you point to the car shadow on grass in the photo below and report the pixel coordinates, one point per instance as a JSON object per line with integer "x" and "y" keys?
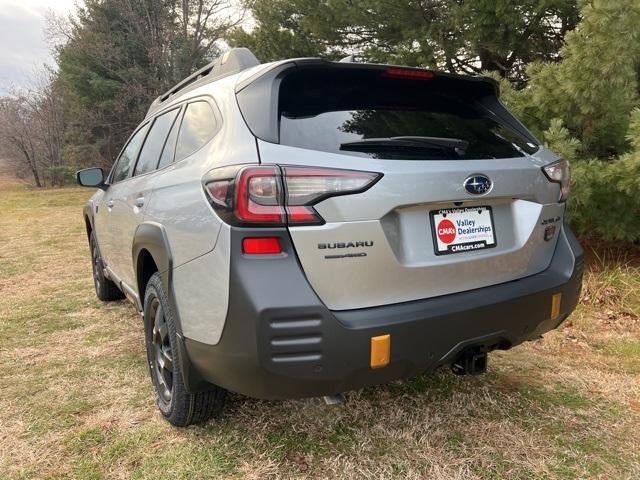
{"x": 491, "y": 426}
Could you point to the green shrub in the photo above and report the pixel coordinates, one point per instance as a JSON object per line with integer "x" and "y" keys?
{"x": 61, "y": 175}
{"x": 585, "y": 108}
{"x": 606, "y": 198}
{"x": 606, "y": 193}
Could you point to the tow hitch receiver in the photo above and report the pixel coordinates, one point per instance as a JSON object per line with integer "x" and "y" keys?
{"x": 470, "y": 363}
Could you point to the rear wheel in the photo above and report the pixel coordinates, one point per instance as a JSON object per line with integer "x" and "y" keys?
{"x": 178, "y": 406}
{"x": 106, "y": 290}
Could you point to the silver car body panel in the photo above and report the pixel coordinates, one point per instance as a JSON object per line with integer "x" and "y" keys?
{"x": 101, "y": 229}
{"x": 130, "y": 198}
{"x": 200, "y": 259}
{"x": 394, "y": 214}
{"x": 178, "y": 201}
{"x": 197, "y": 236}
{"x": 201, "y": 289}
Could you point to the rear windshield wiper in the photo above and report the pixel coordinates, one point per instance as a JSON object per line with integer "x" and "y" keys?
{"x": 440, "y": 143}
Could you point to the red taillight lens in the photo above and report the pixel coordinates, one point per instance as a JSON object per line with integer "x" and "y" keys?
{"x": 303, "y": 215}
{"x": 408, "y": 73}
{"x": 261, "y": 246}
{"x": 272, "y": 195}
{"x": 259, "y": 196}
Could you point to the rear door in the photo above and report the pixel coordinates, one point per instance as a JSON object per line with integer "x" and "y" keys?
{"x": 109, "y": 222}
{"x": 134, "y": 194}
{"x": 462, "y": 200}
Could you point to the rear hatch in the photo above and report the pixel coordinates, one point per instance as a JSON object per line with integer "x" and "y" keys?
{"x": 460, "y": 202}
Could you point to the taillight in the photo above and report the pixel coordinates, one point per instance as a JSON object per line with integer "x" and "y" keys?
{"x": 259, "y": 196}
{"x": 272, "y": 196}
{"x": 307, "y": 186}
{"x": 408, "y": 73}
{"x": 559, "y": 172}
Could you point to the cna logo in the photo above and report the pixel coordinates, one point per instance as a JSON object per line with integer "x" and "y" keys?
{"x": 446, "y": 231}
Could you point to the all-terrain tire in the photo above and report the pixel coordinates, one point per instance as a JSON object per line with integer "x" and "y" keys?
{"x": 106, "y": 290}
{"x": 178, "y": 406}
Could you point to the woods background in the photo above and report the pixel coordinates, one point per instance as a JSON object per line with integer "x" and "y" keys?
{"x": 569, "y": 69}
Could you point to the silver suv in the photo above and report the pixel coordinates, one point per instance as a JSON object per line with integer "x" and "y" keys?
{"x": 305, "y": 227}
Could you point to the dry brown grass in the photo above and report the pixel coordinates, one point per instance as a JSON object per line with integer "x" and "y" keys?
{"x": 7, "y": 178}
{"x": 76, "y": 400}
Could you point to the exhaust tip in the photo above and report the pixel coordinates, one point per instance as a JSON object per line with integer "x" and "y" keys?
{"x": 337, "y": 399}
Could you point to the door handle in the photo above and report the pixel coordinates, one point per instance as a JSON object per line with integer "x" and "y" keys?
{"x": 110, "y": 204}
{"x": 139, "y": 201}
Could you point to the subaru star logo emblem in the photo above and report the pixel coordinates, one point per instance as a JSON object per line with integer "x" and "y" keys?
{"x": 477, "y": 184}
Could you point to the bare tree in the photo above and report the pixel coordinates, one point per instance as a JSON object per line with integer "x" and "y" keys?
{"x": 32, "y": 128}
{"x": 204, "y": 22}
{"x": 44, "y": 99}
{"x": 17, "y": 140}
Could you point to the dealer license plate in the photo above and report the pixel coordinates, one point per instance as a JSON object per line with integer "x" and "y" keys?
{"x": 457, "y": 230}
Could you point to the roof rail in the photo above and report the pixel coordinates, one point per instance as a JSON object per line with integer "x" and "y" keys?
{"x": 348, "y": 59}
{"x": 233, "y": 61}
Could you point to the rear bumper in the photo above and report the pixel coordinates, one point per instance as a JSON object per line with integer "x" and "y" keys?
{"x": 280, "y": 341}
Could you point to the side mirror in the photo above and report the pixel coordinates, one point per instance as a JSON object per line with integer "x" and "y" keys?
{"x": 90, "y": 177}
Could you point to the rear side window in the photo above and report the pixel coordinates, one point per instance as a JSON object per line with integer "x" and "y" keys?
{"x": 365, "y": 113}
{"x": 150, "y": 153}
{"x": 198, "y": 127}
{"x": 128, "y": 157}
{"x": 170, "y": 145}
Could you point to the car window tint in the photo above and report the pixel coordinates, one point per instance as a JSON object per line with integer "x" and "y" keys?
{"x": 347, "y": 111}
{"x": 170, "y": 145}
{"x": 150, "y": 153}
{"x": 128, "y": 157}
{"x": 198, "y": 127}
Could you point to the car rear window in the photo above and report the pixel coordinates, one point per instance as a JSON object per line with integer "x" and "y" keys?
{"x": 198, "y": 127}
{"x": 334, "y": 111}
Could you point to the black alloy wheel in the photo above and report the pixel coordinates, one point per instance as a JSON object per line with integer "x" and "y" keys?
{"x": 178, "y": 405}
{"x": 161, "y": 361}
{"x": 96, "y": 264}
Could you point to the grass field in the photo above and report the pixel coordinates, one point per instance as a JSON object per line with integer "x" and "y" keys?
{"x": 75, "y": 398}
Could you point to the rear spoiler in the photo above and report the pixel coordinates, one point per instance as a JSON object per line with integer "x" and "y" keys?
{"x": 312, "y": 62}
{"x": 258, "y": 94}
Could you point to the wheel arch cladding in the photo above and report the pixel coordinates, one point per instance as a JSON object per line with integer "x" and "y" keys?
{"x": 150, "y": 253}
{"x": 87, "y": 214}
{"x": 88, "y": 226}
{"x": 150, "y": 244}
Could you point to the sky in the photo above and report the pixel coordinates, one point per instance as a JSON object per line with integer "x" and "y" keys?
{"x": 23, "y": 46}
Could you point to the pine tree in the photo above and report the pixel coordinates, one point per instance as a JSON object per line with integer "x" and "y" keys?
{"x": 457, "y": 36}
{"x": 595, "y": 86}
{"x": 120, "y": 55}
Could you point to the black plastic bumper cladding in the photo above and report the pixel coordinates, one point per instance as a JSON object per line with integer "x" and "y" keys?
{"x": 280, "y": 341}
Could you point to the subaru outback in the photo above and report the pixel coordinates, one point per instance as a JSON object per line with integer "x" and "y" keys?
{"x": 304, "y": 227}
